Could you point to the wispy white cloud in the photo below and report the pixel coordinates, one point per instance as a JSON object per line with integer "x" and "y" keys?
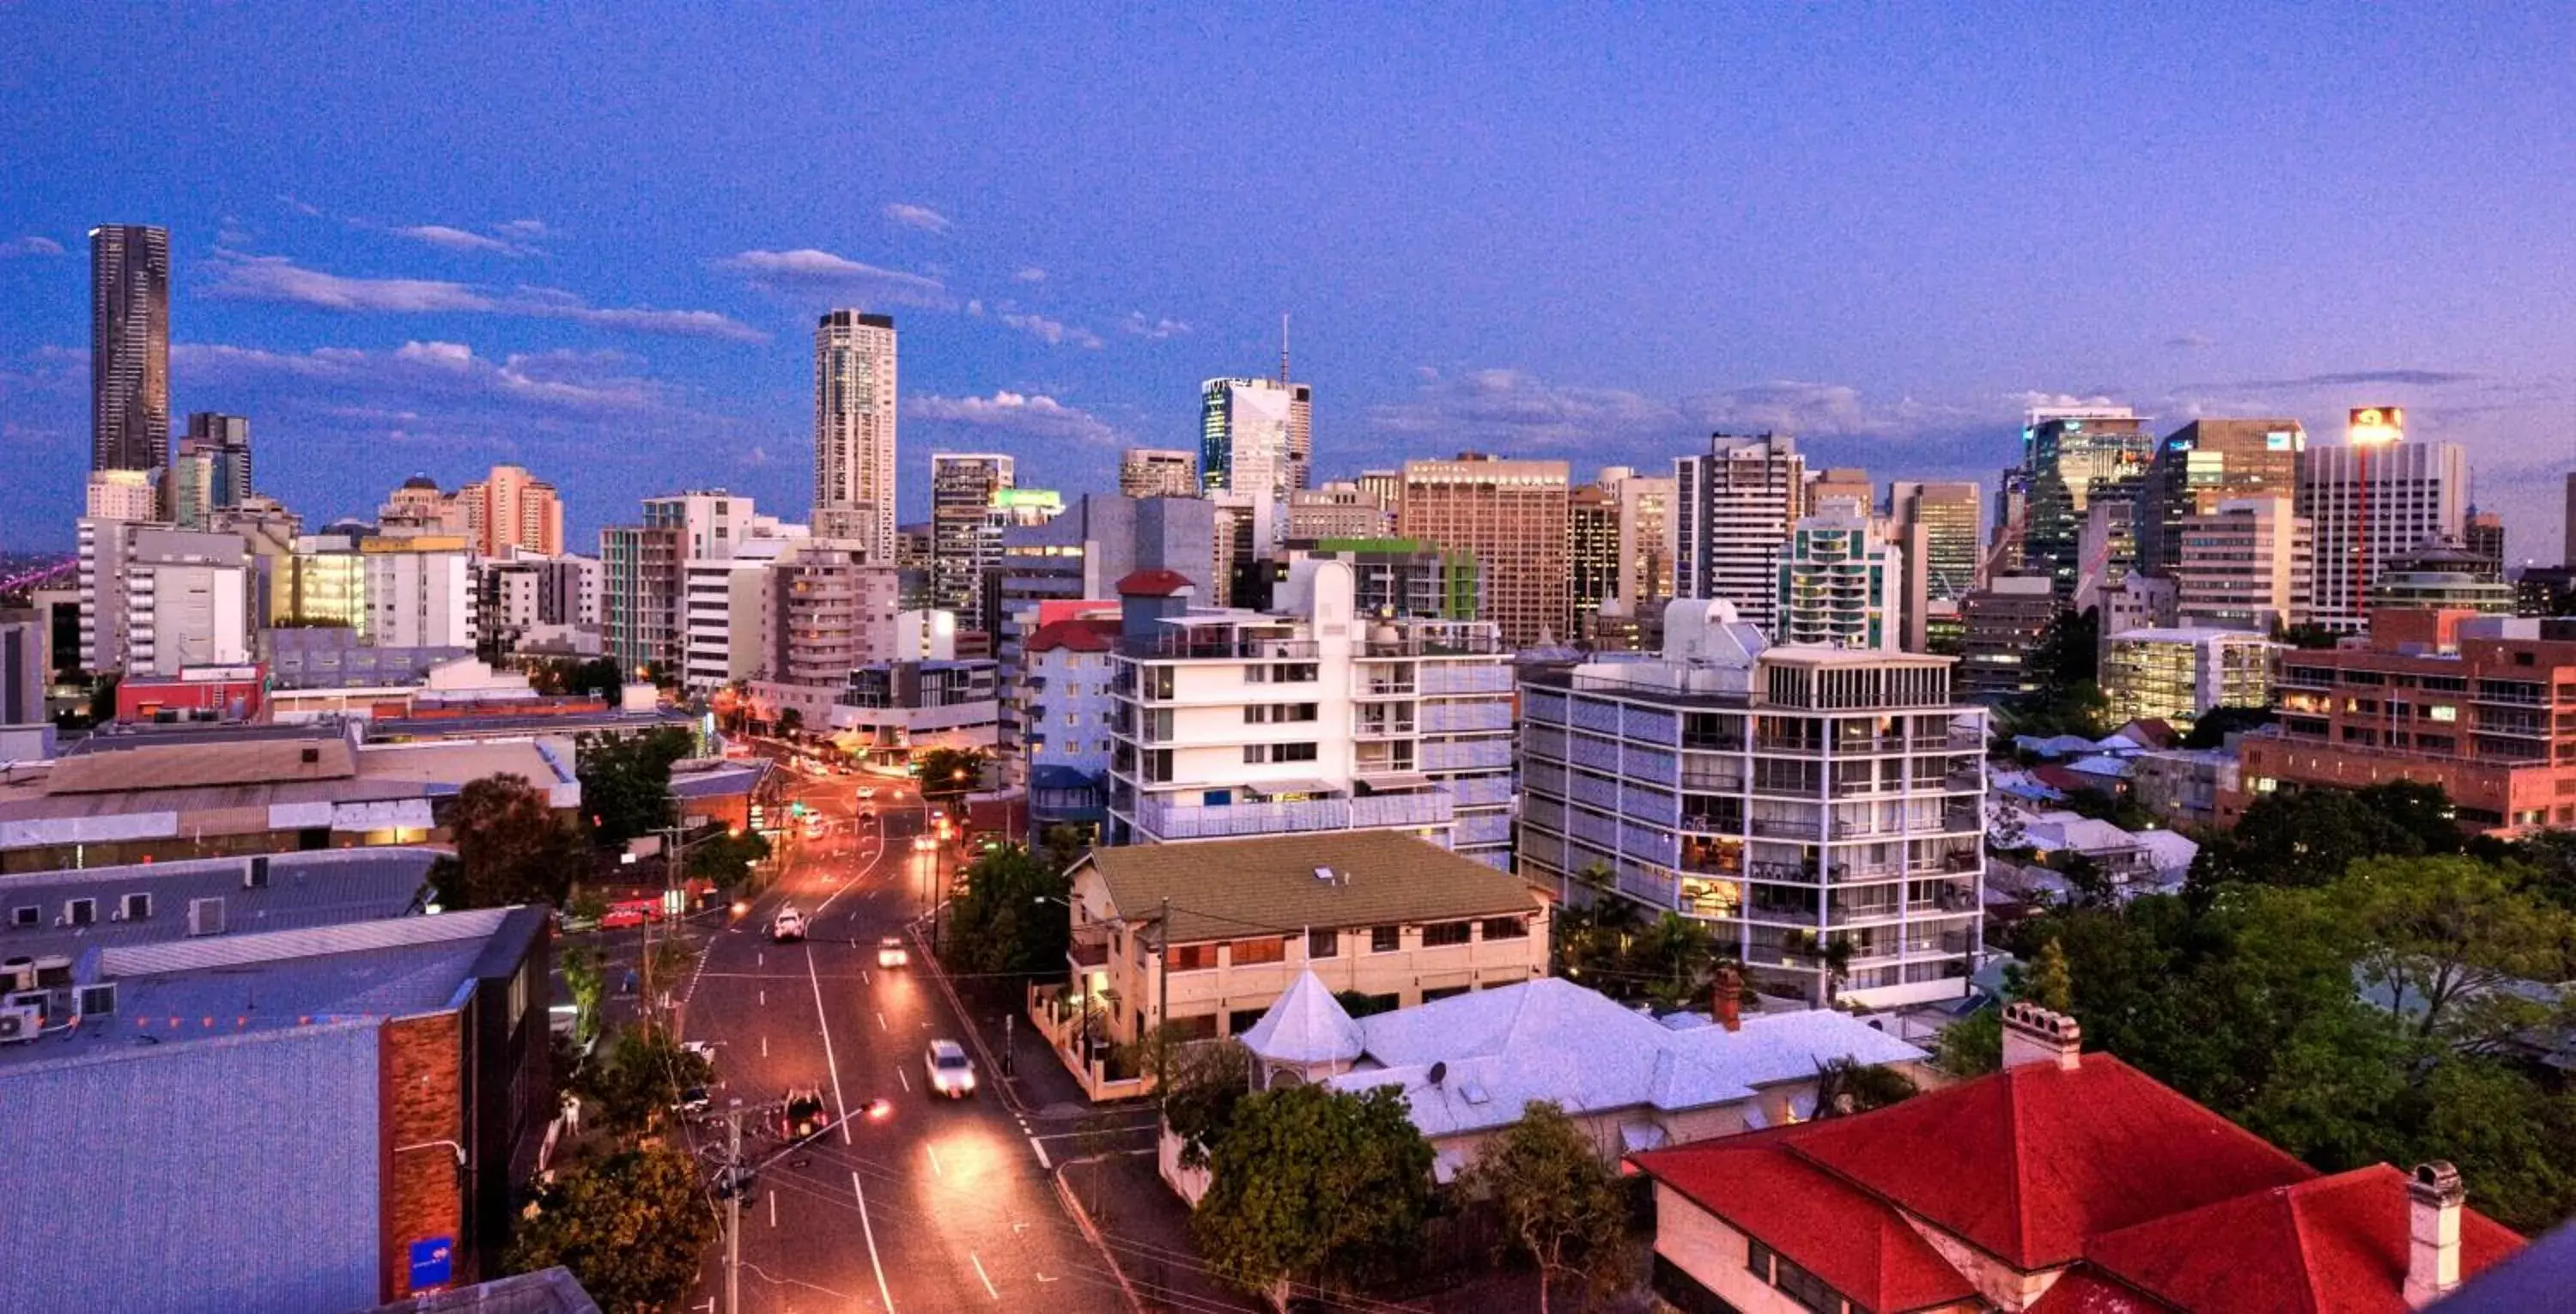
{"x": 1138, "y": 323}
{"x": 1053, "y": 332}
{"x": 437, "y": 376}
{"x": 278, "y": 279}
{"x": 31, "y": 245}
{"x": 1511, "y": 408}
{"x": 1037, "y": 416}
{"x": 458, "y": 239}
{"x": 1029, "y": 274}
{"x": 525, "y": 230}
{"x": 809, "y": 270}
{"x": 556, "y": 303}
{"x": 917, "y": 216}
{"x": 303, "y": 207}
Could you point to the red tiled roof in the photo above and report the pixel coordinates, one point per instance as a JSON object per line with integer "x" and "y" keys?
{"x": 2082, "y": 1292}
{"x": 1856, "y": 1243}
{"x": 1154, "y": 584}
{"x": 2028, "y": 1163}
{"x": 1082, "y": 635}
{"x": 2331, "y": 1245}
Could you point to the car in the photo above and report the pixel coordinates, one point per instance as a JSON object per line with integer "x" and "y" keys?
{"x": 925, "y": 843}
{"x": 951, "y": 1073}
{"x": 803, "y": 1113}
{"x": 788, "y": 926}
{"x": 867, "y": 791}
{"x": 695, "y": 1100}
{"x": 891, "y": 953}
{"x": 705, "y": 1049}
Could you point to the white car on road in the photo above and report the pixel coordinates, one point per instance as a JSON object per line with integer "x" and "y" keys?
{"x": 891, "y": 953}
{"x": 788, "y": 926}
{"x": 951, "y": 1073}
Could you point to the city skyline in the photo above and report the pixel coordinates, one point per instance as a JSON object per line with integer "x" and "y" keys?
{"x": 1892, "y": 286}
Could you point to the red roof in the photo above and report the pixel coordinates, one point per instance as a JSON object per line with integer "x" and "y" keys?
{"x": 1154, "y": 584}
{"x": 2079, "y": 1291}
{"x": 1078, "y": 635}
{"x": 2333, "y": 1245}
{"x": 1856, "y": 1243}
{"x": 2030, "y": 1162}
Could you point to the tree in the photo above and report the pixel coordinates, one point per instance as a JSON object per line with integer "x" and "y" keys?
{"x": 2310, "y": 636}
{"x": 1559, "y": 1203}
{"x": 626, "y": 780}
{"x": 2211, "y": 728}
{"x": 585, "y": 975}
{"x": 790, "y": 721}
{"x": 1008, "y": 916}
{"x": 1845, "y": 1086}
{"x": 642, "y": 1078}
{"x": 102, "y": 698}
{"x": 726, "y": 859}
{"x": 1830, "y": 955}
{"x": 2050, "y": 983}
{"x": 1314, "y": 1185}
{"x": 631, "y": 1227}
{"x": 1973, "y": 1045}
{"x": 1360, "y": 1003}
{"x": 510, "y": 847}
{"x": 2303, "y": 837}
{"x": 2445, "y": 937}
{"x": 1676, "y": 957}
{"x": 1205, "y": 1083}
{"x": 948, "y": 774}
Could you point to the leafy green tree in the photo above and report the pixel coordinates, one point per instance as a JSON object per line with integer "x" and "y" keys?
{"x": 585, "y": 975}
{"x": 1845, "y": 1086}
{"x": 1206, "y": 1082}
{"x": 641, "y": 1079}
{"x": 1676, "y": 957}
{"x": 2050, "y": 983}
{"x": 2305, "y": 837}
{"x": 1559, "y": 1203}
{"x": 510, "y": 847}
{"x": 726, "y": 859}
{"x": 2310, "y": 636}
{"x": 2445, "y": 936}
{"x": 1830, "y": 955}
{"x": 1314, "y": 1185}
{"x": 2211, "y": 728}
{"x": 790, "y": 721}
{"x": 631, "y": 1227}
{"x": 1360, "y": 1003}
{"x": 626, "y": 781}
{"x": 1008, "y": 916}
{"x": 948, "y": 774}
{"x": 1971, "y": 1046}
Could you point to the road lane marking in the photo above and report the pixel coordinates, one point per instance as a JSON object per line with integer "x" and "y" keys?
{"x": 863, "y": 977}
{"x": 870, "y": 1229}
{"x": 1042, "y": 1157}
{"x": 773, "y": 1209}
{"x": 881, "y": 1022}
{"x": 935, "y": 1169}
{"x": 980, "y": 1273}
{"x": 905, "y": 1078}
{"x": 764, "y": 1046}
{"x": 833, "y": 1065}
{"x": 764, "y": 998}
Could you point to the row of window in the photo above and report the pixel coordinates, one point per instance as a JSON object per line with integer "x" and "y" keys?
{"x": 82, "y": 912}
{"x": 1256, "y": 754}
{"x": 1328, "y": 943}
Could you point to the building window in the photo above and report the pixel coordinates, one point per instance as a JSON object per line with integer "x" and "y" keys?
{"x": 80, "y": 912}
{"x": 1439, "y": 935}
{"x": 1253, "y": 953}
{"x": 1293, "y": 753}
{"x": 27, "y": 914}
{"x": 1189, "y": 958}
{"x": 136, "y": 907}
{"x": 1385, "y": 939}
{"x": 1506, "y": 928}
{"x": 1323, "y": 944}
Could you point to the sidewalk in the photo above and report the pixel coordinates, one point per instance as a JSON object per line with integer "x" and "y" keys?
{"x": 1033, "y": 1079}
{"x": 1147, "y": 1229}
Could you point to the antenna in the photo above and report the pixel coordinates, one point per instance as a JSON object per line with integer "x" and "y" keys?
{"x": 1283, "y": 349}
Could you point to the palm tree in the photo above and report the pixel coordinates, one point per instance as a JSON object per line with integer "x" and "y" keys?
{"x": 1846, "y": 1086}
{"x": 1830, "y": 956}
{"x": 1679, "y": 955}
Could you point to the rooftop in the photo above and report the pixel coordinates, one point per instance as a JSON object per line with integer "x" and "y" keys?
{"x": 1154, "y": 584}
{"x": 1075, "y": 634}
{"x": 1230, "y": 889}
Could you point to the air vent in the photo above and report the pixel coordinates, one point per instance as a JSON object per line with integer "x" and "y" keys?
{"x": 255, "y": 876}
{"x": 205, "y": 917}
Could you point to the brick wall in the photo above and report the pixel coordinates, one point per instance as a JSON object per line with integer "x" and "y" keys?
{"x": 424, "y": 1102}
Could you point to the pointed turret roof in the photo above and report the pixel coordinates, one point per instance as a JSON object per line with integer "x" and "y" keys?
{"x": 1307, "y": 1025}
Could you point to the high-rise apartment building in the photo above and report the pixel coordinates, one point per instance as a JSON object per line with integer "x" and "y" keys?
{"x": 129, "y": 347}
{"x": 418, "y": 507}
{"x": 2373, "y": 499}
{"x": 1158, "y": 472}
{"x": 964, "y": 541}
{"x": 2074, "y": 462}
{"x": 1840, "y": 580}
{"x": 225, "y": 440}
{"x": 1788, "y": 798}
{"x": 639, "y": 601}
{"x": 507, "y": 511}
{"x": 188, "y": 488}
{"x": 1511, "y": 516}
{"x": 2207, "y": 462}
{"x": 1732, "y": 511}
{"x": 2001, "y": 625}
{"x": 854, "y": 431}
{"x": 2244, "y": 564}
{"x": 1233, "y": 722}
{"x": 832, "y": 610}
{"x": 1592, "y": 552}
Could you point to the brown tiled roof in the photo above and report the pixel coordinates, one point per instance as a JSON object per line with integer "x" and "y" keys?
{"x": 1233, "y": 889}
{"x": 189, "y": 766}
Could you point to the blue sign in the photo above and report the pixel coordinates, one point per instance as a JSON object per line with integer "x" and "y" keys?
{"x": 433, "y": 1263}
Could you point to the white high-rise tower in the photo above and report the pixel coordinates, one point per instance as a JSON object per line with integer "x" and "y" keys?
{"x": 854, "y": 431}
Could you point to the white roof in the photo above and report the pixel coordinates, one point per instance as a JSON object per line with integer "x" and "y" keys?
{"x": 2099, "y": 765}
{"x": 1551, "y": 1039}
{"x": 1306, "y": 1025}
{"x": 2170, "y": 851}
{"x": 2067, "y": 830}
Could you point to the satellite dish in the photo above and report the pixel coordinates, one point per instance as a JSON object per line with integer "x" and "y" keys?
{"x": 1439, "y": 1073}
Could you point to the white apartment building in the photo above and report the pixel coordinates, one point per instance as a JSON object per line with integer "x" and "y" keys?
{"x": 854, "y": 431}
{"x": 1232, "y": 722}
{"x": 416, "y": 598}
{"x": 1732, "y": 512}
{"x": 1790, "y": 797}
{"x": 723, "y": 603}
{"x": 128, "y": 495}
{"x": 2372, "y": 501}
{"x": 1840, "y": 581}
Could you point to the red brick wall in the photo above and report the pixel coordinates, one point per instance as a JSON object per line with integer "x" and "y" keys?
{"x": 424, "y": 1101}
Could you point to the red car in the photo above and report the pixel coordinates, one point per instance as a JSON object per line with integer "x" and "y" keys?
{"x": 630, "y": 912}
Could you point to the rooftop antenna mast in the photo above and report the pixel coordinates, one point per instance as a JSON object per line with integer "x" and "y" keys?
{"x": 1283, "y": 349}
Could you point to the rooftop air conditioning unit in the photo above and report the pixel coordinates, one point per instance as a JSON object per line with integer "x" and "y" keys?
{"x": 205, "y": 917}
{"x": 21, "y": 1024}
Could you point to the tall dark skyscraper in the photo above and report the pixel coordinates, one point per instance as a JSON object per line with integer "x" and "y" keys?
{"x": 129, "y": 347}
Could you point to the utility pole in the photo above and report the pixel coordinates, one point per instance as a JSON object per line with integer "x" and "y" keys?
{"x": 1163, "y": 998}
{"x": 733, "y": 1207}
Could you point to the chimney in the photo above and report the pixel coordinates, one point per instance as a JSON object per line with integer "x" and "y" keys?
{"x": 2036, "y": 1035}
{"x": 1727, "y": 1001}
{"x": 2433, "y": 1195}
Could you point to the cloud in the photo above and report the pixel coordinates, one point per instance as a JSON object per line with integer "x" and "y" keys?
{"x": 439, "y": 377}
{"x": 457, "y": 239}
{"x": 2412, "y": 378}
{"x": 1157, "y": 329}
{"x": 31, "y": 245}
{"x": 302, "y": 207}
{"x": 1054, "y": 333}
{"x": 276, "y": 278}
{"x": 1036, "y": 416}
{"x": 808, "y": 270}
{"x": 1028, "y": 274}
{"x": 526, "y": 230}
{"x": 1508, "y": 408}
{"x": 2191, "y": 342}
{"x": 556, "y": 303}
{"x": 917, "y": 216}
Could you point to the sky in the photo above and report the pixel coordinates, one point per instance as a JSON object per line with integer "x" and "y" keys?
{"x": 593, "y": 240}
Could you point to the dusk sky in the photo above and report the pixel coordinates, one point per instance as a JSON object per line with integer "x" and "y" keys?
{"x": 593, "y": 241}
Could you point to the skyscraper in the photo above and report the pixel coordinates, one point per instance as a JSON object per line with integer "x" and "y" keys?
{"x": 1732, "y": 512}
{"x": 226, "y": 440}
{"x": 964, "y": 541}
{"x": 2073, "y": 461}
{"x": 2207, "y": 462}
{"x": 1247, "y": 431}
{"x": 1938, "y": 523}
{"x": 507, "y": 509}
{"x": 1840, "y": 580}
{"x": 1158, "y": 472}
{"x": 1512, "y": 516}
{"x": 2373, "y": 500}
{"x": 854, "y": 431}
{"x": 129, "y": 347}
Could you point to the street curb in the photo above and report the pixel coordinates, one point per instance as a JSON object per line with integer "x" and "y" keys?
{"x": 974, "y": 1033}
{"x": 1082, "y": 1219}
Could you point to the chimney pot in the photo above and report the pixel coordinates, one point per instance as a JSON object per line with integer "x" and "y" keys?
{"x": 2433, "y": 1199}
{"x": 2033, "y": 1034}
{"x": 1728, "y": 1003}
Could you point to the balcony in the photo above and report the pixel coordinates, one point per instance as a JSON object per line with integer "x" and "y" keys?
{"x": 1775, "y": 828}
{"x": 1178, "y": 822}
{"x": 1090, "y": 948}
{"x": 1429, "y": 808}
{"x": 1382, "y": 727}
{"x": 1788, "y": 747}
{"x": 1712, "y": 782}
{"x": 1384, "y": 688}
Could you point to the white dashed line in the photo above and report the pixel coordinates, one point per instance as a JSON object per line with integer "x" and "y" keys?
{"x": 1042, "y": 1157}
{"x": 881, "y": 1022}
{"x": 935, "y": 1169}
{"x": 980, "y": 1273}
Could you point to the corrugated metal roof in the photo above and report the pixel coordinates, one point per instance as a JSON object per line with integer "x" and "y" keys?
{"x": 355, "y": 937}
{"x": 322, "y": 888}
{"x": 181, "y": 766}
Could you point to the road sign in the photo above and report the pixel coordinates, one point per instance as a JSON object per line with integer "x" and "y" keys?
{"x": 433, "y": 1263}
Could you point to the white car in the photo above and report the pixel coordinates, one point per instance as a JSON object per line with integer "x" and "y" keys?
{"x": 951, "y": 1073}
{"x": 891, "y": 953}
{"x": 924, "y": 843}
{"x": 867, "y": 791}
{"x": 788, "y": 926}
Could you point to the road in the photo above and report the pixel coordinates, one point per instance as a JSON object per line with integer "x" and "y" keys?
{"x": 940, "y": 1205}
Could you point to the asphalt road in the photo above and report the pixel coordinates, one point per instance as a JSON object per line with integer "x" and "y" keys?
{"x": 939, "y": 1206}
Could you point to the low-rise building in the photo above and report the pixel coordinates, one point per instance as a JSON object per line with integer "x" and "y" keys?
{"x": 1063, "y": 710}
{"x": 1204, "y": 938}
{"x": 2185, "y": 786}
{"x": 2179, "y": 674}
{"x": 889, "y": 710}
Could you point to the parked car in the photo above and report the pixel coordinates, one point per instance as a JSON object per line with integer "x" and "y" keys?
{"x": 788, "y": 926}
{"x": 891, "y": 953}
{"x": 951, "y": 1073}
{"x": 631, "y": 912}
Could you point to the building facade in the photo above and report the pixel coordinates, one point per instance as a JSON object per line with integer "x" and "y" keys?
{"x": 2181, "y": 674}
{"x": 1511, "y": 516}
{"x": 964, "y": 542}
{"x": 1936, "y": 525}
{"x": 2246, "y": 563}
{"x": 2371, "y": 500}
{"x": 2207, "y": 463}
{"x": 509, "y": 511}
{"x": 129, "y": 347}
{"x": 887, "y": 711}
{"x": 1732, "y": 513}
{"x": 2075, "y": 462}
{"x": 2001, "y": 625}
{"x": 1158, "y": 472}
{"x": 1336, "y": 510}
{"x": 854, "y": 431}
{"x": 1840, "y": 581}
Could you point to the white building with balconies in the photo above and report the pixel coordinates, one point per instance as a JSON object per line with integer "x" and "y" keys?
{"x": 1232, "y": 723}
{"x": 1799, "y": 799}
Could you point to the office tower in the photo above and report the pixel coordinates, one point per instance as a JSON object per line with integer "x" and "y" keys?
{"x": 1936, "y": 526}
{"x": 1847, "y": 483}
{"x": 962, "y": 541}
{"x": 1840, "y": 580}
{"x": 2373, "y": 499}
{"x": 1783, "y": 797}
{"x": 1245, "y": 430}
{"x": 1641, "y": 578}
{"x": 129, "y": 347}
{"x": 1592, "y": 553}
{"x": 1336, "y": 510}
{"x": 2073, "y": 461}
{"x": 188, "y": 488}
{"x": 1012, "y": 508}
{"x": 1158, "y": 472}
{"x": 1511, "y": 517}
{"x": 1386, "y": 487}
{"x": 2207, "y": 462}
{"x": 123, "y": 495}
{"x": 1233, "y": 722}
{"x": 326, "y": 583}
{"x": 2483, "y": 535}
{"x": 722, "y": 602}
{"x": 2246, "y": 564}
{"x": 2002, "y": 624}
{"x": 419, "y": 593}
{"x": 2106, "y": 544}
{"x": 507, "y": 511}
{"x": 854, "y": 431}
{"x": 2180, "y": 675}
{"x": 1732, "y": 511}
{"x": 225, "y": 439}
